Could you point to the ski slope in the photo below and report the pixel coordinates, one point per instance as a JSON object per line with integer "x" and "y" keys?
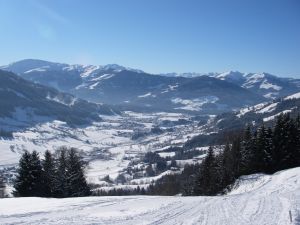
{"x": 258, "y": 199}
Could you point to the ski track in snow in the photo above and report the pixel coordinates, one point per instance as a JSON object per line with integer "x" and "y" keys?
{"x": 267, "y": 203}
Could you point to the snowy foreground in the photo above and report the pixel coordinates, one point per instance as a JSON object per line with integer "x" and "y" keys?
{"x": 257, "y": 199}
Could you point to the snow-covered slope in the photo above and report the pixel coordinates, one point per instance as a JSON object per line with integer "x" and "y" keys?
{"x": 268, "y": 203}
{"x": 24, "y": 103}
{"x": 264, "y": 112}
{"x": 265, "y": 84}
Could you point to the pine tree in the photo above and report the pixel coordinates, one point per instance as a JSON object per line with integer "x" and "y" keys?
{"x": 204, "y": 181}
{"x": 36, "y": 174}
{"x": 246, "y": 152}
{"x": 77, "y": 185}
{"x": 28, "y": 180}
{"x": 260, "y": 151}
{"x": 279, "y": 142}
{"x": 269, "y": 148}
{"x": 236, "y": 157}
{"x": 2, "y": 187}
{"x": 228, "y": 171}
{"x": 22, "y": 183}
{"x": 297, "y": 147}
{"x": 60, "y": 186}
{"x": 218, "y": 168}
{"x": 48, "y": 174}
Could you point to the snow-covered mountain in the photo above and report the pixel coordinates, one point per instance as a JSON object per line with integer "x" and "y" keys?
{"x": 134, "y": 89}
{"x": 265, "y": 112}
{"x": 60, "y": 75}
{"x": 24, "y": 103}
{"x": 265, "y": 84}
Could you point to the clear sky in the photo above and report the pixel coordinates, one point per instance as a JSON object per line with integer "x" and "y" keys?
{"x": 156, "y": 36}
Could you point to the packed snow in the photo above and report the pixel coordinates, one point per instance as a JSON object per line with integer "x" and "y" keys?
{"x": 257, "y": 199}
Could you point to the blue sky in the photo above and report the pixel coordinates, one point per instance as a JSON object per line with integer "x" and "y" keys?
{"x": 156, "y": 36}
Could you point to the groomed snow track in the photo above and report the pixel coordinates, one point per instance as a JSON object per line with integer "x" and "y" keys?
{"x": 263, "y": 200}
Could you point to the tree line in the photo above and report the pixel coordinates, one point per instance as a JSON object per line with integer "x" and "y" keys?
{"x": 58, "y": 175}
{"x": 261, "y": 150}
{"x": 2, "y": 187}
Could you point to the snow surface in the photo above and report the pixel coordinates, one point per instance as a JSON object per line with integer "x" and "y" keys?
{"x": 194, "y": 104}
{"x": 254, "y": 108}
{"x": 145, "y": 95}
{"x": 40, "y": 69}
{"x": 294, "y": 96}
{"x": 259, "y": 199}
{"x": 232, "y": 75}
{"x": 274, "y": 116}
{"x": 268, "y": 108}
{"x": 266, "y": 85}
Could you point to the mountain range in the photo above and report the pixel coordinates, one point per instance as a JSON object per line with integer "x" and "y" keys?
{"x": 110, "y": 88}
{"x": 133, "y": 89}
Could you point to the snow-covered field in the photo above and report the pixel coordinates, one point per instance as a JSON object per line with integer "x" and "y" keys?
{"x": 258, "y": 199}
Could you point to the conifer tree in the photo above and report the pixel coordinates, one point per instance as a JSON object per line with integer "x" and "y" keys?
{"x": 227, "y": 165}
{"x": 76, "y": 181}
{"x": 36, "y": 174}
{"x": 290, "y": 160}
{"x": 2, "y": 187}
{"x": 204, "y": 180}
{"x": 246, "y": 151}
{"x": 60, "y": 180}
{"x": 28, "y": 180}
{"x": 236, "y": 156}
{"x": 297, "y": 147}
{"x": 279, "y": 142}
{"x": 268, "y": 160}
{"x": 218, "y": 174}
{"x": 22, "y": 183}
{"x": 261, "y": 151}
{"x": 48, "y": 174}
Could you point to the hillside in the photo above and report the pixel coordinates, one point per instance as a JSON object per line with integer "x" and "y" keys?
{"x": 264, "y": 112}
{"x": 258, "y": 199}
{"x": 24, "y": 103}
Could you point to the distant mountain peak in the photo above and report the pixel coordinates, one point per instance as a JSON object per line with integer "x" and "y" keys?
{"x": 232, "y": 75}
{"x": 31, "y": 65}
